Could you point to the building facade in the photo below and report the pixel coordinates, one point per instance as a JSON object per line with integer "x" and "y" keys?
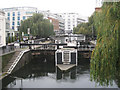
{"x": 16, "y": 14}
{"x": 2, "y": 29}
{"x": 63, "y": 23}
{"x": 10, "y": 33}
{"x": 56, "y": 20}
{"x": 71, "y": 21}
{"x": 55, "y": 23}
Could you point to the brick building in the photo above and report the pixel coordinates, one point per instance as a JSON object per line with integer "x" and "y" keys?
{"x": 55, "y": 23}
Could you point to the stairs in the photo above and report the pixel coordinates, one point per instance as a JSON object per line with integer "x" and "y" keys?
{"x": 11, "y": 61}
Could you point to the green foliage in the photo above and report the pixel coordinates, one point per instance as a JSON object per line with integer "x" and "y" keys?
{"x": 86, "y": 28}
{"x": 12, "y": 39}
{"x": 38, "y": 26}
{"x": 105, "y": 57}
{"x": 9, "y": 39}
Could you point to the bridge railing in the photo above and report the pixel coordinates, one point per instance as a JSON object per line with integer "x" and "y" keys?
{"x": 16, "y": 61}
{"x": 44, "y": 47}
{"x": 6, "y": 49}
{"x": 86, "y": 47}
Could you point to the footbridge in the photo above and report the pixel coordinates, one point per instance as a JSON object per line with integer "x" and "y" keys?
{"x": 53, "y": 46}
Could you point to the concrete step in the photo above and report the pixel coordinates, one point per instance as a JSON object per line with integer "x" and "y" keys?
{"x": 11, "y": 61}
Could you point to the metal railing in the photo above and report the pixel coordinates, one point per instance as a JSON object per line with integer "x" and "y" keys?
{"x": 7, "y": 49}
{"x": 86, "y": 47}
{"x": 16, "y": 61}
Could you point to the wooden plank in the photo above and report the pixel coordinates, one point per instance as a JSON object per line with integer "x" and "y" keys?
{"x": 64, "y": 67}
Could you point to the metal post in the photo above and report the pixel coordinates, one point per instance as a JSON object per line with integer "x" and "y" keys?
{"x": 28, "y": 33}
{"x": 57, "y": 46}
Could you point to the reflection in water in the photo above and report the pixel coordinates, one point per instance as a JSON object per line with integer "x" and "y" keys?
{"x": 40, "y": 74}
{"x": 71, "y": 74}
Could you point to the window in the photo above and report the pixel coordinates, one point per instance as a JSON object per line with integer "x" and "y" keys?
{"x": 13, "y": 23}
{"x": 68, "y": 26}
{"x": 8, "y": 18}
{"x": 13, "y": 13}
{"x": 13, "y": 18}
{"x": 18, "y": 18}
{"x": 18, "y": 13}
{"x": 24, "y": 17}
{"x": 13, "y": 27}
{"x": 8, "y": 14}
{"x": 68, "y": 22}
{"x": 18, "y": 23}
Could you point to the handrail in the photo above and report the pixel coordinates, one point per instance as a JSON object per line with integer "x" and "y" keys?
{"x": 16, "y": 61}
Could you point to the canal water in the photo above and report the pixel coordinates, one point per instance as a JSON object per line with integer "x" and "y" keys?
{"x": 41, "y": 72}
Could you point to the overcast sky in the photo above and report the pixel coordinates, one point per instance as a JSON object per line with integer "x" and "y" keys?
{"x": 83, "y": 7}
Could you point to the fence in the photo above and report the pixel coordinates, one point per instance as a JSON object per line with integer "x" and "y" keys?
{"x": 6, "y": 49}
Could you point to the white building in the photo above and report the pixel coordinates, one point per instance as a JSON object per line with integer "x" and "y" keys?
{"x": 71, "y": 21}
{"x": 16, "y": 14}
{"x": 10, "y": 33}
{"x": 2, "y": 29}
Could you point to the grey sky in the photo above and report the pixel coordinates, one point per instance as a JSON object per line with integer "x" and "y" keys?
{"x": 84, "y": 7}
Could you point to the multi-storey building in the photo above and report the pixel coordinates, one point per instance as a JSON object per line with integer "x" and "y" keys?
{"x": 56, "y": 20}
{"x": 16, "y": 14}
{"x": 71, "y": 21}
{"x": 55, "y": 23}
{"x": 9, "y": 32}
{"x": 2, "y": 29}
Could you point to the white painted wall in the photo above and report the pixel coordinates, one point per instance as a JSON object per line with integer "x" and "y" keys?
{"x": 2, "y": 29}
{"x": 71, "y": 21}
{"x": 23, "y": 12}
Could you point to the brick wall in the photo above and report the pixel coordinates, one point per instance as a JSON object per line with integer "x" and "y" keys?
{"x": 55, "y": 23}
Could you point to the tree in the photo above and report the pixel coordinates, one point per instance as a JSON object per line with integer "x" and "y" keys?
{"x": 105, "y": 59}
{"x": 86, "y": 28}
{"x": 38, "y": 26}
{"x": 9, "y": 39}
